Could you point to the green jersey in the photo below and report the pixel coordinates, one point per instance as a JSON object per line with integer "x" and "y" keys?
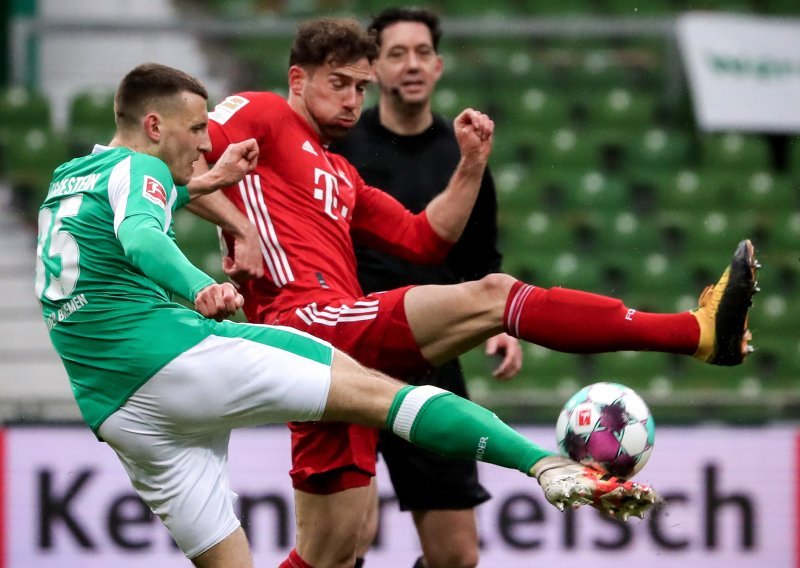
{"x": 111, "y": 322}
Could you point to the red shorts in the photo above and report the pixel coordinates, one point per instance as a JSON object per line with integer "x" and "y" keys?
{"x": 328, "y": 457}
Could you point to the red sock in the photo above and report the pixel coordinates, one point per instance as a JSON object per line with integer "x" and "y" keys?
{"x": 294, "y": 561}
{"x": 579, "y": 322}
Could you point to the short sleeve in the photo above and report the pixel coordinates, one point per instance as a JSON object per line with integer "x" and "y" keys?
{"x": 242, "y": 116}
{"x": 142, "y": 185}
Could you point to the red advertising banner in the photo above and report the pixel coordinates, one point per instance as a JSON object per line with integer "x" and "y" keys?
{"x": 731, "y": 500}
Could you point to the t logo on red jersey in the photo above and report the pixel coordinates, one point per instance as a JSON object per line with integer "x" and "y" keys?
{"x": 327, "y": 191}
{"x": 154, "y": 191}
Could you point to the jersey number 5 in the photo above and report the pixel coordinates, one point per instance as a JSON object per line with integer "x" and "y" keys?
{"x": 56, "y": 242}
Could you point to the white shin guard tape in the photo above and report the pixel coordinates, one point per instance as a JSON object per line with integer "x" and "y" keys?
{"x": 410, "y": 407}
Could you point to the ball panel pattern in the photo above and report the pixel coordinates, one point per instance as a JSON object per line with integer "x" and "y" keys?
{"x": 607, "y": 426}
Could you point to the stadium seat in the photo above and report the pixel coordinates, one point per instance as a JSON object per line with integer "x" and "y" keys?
{"x": 620, "y": 107}
{"x": 600, "y": 70}
{"x": 541, "y": 109}
{"x": 256, "y": 53}
{"x": 635, "y": 369}
{"x": 31, "y": 160}
{"x": 22, "y": 110}
{"x": 555, "y": 184}
{"x": 516, "y": 144}
{"x": 777, "y": 357}
{"x": 774, "y": 312}
{"x": 624, "y": 233}
{"x": 684, "y": 190}
{"x": 556, "y": 375}
{"x": 581, "y": 191}
{"x": 536, "y": 233}
{"x": 716, "y": 231}
{"x": 786, "y": 230}
{"x": 516, "y": 190}
{"x": 586, "y": 190}
{"x": 199, "y": 240}
{"x": 569, "y": 148}
{"x": 657, "y": 149}
{"x": 765, "y": 191}
{"x": 567, "y": 268}
{"x": 656, "y": 281}
{"x": 733, "y": 150}
{"x": 91, "y": 119}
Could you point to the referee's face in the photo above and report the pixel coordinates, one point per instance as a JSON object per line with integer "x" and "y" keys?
{"x": 408, "y": 66}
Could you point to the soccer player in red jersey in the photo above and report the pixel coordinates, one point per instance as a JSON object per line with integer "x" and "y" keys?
{"x": 309, "y": 207}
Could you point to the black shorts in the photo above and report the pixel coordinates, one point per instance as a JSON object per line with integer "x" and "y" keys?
{"x": 426, "y": 481}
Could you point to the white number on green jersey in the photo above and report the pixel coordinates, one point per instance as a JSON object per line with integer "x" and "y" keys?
{"x": 55, "y": 242}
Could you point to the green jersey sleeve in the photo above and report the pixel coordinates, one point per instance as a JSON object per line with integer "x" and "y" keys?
{"x": 159, "y": 258}
{"x": 143, "y": 201}
{"x": 183, "y": 196}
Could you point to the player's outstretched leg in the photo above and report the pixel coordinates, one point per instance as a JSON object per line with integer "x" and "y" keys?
{"x": 444, "y": 423}
{"x": 569, "y": 484}
{"x": 722, "y": 311}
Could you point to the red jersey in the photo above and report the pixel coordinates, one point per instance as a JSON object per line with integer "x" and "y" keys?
{"x": 309, "y": 206}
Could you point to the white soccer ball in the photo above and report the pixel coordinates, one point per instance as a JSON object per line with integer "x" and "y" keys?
{"x": 607, "y": 426}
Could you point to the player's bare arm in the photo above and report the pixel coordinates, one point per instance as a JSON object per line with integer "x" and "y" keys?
{"x": 449, "y": 211}
{"x": 245, "y": 260}
{"x": 236, "y": 161}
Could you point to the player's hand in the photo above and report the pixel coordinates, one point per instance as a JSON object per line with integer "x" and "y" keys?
{"x": 508, "y": 352}
{"x": 238, "y": 160}
{"x": 218, "y": 301}
{"x": 245, "y": 261}
{"x": 474, "y": 134}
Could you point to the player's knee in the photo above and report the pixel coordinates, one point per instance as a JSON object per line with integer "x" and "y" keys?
{"x": 496, "y": 286}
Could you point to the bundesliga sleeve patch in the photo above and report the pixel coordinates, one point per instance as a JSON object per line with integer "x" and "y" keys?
{"x": 227, "y": 108}
{"x": 154, "y": 191}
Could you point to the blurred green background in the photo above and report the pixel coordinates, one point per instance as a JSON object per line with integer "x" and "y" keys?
{"x": 604, "y": 181}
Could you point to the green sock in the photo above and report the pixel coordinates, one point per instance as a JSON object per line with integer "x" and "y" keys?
{"x": 452, "y": 426}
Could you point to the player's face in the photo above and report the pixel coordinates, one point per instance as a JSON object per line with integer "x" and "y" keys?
{"x": 331, "y": 96}
{"x": 184, "y": 136}
{"x": 408, "y": 66}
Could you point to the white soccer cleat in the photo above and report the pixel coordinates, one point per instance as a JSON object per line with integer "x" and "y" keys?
{"x": 567, "y": 483}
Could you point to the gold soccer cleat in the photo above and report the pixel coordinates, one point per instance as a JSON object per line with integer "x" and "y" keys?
{"x": 569, "y": 484}
{"x": 722, "y": 311}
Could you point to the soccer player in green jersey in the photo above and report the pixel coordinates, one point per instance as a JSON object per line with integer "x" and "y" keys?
{"x": 164, "y": 385}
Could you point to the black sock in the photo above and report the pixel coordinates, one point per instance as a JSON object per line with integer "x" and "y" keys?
{"x": 359, "y": 563}
{"x": 420, "y": 563}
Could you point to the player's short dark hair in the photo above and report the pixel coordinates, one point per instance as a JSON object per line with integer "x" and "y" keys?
{"x": 147, "y": 83}
{"x": 338, "y": 41}
{"x": 394, "y": 15}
